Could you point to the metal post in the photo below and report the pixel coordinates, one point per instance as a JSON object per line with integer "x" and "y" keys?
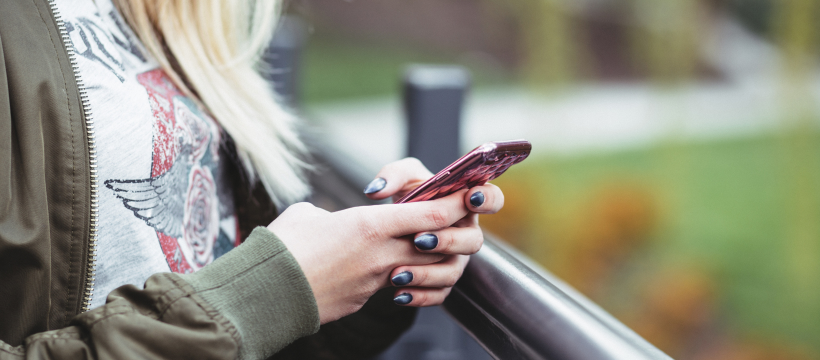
{"x": 433, "y": 100}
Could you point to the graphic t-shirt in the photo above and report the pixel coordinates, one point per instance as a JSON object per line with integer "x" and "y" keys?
{"x": 163, "y": 200}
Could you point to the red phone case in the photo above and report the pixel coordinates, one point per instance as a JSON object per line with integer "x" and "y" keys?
{"x": 480, "y": 165}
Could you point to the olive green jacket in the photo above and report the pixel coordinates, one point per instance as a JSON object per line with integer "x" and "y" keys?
{"x": 248, "y": 304}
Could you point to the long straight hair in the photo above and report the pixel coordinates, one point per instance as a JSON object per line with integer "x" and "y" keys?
{"x": 211, "y": 50}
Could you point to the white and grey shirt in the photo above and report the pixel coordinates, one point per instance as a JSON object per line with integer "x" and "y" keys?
{"x": 164, "y": 204}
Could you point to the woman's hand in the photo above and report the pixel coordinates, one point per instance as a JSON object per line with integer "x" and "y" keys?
{"x": 429, "y": 284}
{"x": 348, "y": 255}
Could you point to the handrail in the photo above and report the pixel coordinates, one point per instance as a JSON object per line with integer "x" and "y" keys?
{"x": 514, "y": 308}
{"x": 517, "y": 312}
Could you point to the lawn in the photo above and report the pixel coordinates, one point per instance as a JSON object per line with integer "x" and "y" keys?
{"x": 340, "y": 69}
{"x": 725, "y": 229}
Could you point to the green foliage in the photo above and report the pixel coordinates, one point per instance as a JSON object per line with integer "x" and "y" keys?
{"x": 728, "y": 206}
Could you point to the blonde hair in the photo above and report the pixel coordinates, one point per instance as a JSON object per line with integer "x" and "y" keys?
{"x": 211, "y": 50}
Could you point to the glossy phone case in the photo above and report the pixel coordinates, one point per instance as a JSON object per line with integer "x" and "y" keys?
{"x": 480, "y": 165}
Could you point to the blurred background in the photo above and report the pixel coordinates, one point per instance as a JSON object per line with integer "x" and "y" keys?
{"x": 675, "y": 173}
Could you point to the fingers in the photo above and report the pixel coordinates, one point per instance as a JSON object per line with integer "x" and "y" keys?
{"x": 484, "y": 199}
{"x": 405, "y": 253}
{"x": 420, "y": 297}
{"x": 397, "y": 177}
{"x": 452, "y": 240}
{"x": 427, "y": 285}
{"x": 439, "y": 275}
{"x": 470, "y": 220}
{"x": 403, "y": 219}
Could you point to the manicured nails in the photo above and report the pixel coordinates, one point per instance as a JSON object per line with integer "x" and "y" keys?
{"x": 477, "y": 199}
{"x": 375, "y": 186}
{"x": 426, "y": 241}
{"x": 402, "y": 278}
{"x": 403, "y": 299}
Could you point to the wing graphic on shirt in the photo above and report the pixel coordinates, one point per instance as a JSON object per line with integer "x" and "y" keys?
{"x": 159, "y": 201}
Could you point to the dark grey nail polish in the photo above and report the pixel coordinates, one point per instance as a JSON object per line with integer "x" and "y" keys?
{"x": 375, "y": 186}
{"x": 402, "y": 278}
{"x": 403, "y": 299}
{"x": 477, "y": 199}
{"x": 426, "y": 241}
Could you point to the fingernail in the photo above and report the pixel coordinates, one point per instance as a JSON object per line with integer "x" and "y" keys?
{"x": 375, "y": 186}
{"x": 403, "y": 299}
{"x": 426, "y": 241}
{"x": 402, "y": 278}
{"x": 477, "y": 199}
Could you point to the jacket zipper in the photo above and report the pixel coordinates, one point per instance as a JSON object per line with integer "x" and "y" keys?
{"x": 92, "y": 157}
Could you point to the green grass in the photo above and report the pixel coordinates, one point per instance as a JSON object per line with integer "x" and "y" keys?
{"x": 341, "y": 69}
{"x": 733, "y": 207}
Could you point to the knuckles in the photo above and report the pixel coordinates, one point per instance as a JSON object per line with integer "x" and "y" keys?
{"x": 453, "y": 276}
{"x": 379, "y": 266}
{"x": 437, "y": 217}
{"x": 420, "y": 276}
{"x": 446, "y": 242}
{"x": 366, "y": 226}
{"x": 466, "y": 243}
{"x": 421, "y": 299}
{"x": 407, "y": 163}
{"x": 478, "y": 243}
{"x": 411, "y": 162}
{"x": 302, "y": 209}
{"x": 406, "y": 170}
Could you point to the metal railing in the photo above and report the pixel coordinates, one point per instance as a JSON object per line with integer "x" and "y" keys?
{"x": 518, "y": 311}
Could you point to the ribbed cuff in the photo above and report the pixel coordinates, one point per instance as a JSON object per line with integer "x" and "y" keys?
{"x": 260, "y": 288}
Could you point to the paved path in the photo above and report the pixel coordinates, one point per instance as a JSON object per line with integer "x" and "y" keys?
{"x": 583, "y": 120}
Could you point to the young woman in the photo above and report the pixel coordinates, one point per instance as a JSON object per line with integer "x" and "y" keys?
{"x": 124, "y": 126}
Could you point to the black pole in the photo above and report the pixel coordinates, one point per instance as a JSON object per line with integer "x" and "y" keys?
{"x": 433, "y": 101}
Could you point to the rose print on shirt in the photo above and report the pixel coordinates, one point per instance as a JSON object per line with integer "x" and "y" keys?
{"x": 200, "y": 212}
{"x": 179, "y": 200}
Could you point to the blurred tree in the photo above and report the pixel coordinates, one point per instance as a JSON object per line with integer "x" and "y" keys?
{"x": 796, "y": 31}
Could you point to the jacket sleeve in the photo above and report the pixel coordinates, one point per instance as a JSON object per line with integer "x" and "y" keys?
{"x": 248, "y": 304}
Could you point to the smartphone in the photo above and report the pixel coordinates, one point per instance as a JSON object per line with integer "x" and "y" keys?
{"x": 480, "y": 165}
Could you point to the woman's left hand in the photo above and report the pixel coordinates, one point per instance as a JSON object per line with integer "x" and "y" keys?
{"x": 429, "y": 285}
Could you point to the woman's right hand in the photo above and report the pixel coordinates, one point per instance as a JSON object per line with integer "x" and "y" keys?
{"x": 348, "y": 255}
